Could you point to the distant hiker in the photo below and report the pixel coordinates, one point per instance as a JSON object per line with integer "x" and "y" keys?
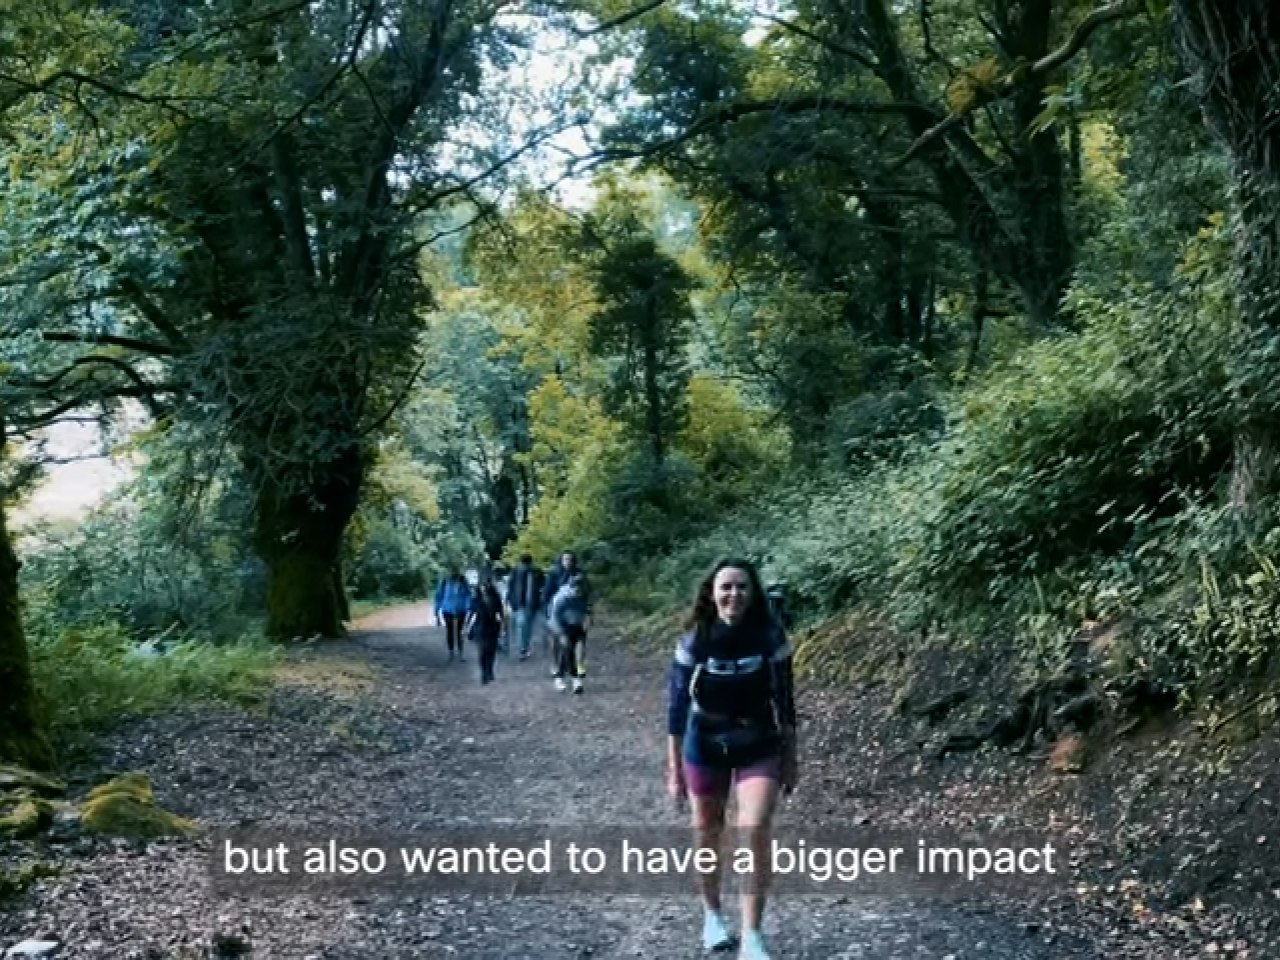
{"x": 501, "y": 578}
{"x": 569, "y": 618}
{"x": 485, "y": 623}
{"x": 453, "y": 603}
{"x": 565, "y": 564}
{"x": 731, "y": 720}
{"x": 524, "y": 598}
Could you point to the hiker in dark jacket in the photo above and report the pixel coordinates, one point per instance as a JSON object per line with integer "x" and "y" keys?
{"x": 565, "y": 567}
{"x": 524, "y": 598}
{"x": 569, "y": 619}
{"x": 731, "y": 720}
{"x": 484, "y": 625}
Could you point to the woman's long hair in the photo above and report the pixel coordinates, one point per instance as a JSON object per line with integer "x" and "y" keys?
{"x": 704, "y": 615}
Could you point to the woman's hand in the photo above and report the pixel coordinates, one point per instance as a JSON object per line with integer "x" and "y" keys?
{"x": 790, "y": 768}
{"x": 677, "y": 788}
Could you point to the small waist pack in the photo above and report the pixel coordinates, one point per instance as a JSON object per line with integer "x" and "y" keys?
{"x": 739, "y": 746}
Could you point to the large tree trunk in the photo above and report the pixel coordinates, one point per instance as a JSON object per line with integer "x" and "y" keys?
{"x": 299, "y": 536}
{"x": 22, "y": 737}
{"x": 1233, "y": 46}
{"x": 1039, "y": 174}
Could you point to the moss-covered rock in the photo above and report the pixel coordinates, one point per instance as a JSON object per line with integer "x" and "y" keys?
{"x": 23, "y": 814}
{"x": 13, "y": 778}
{"x": 125, "y": 807}
{"x": 134, "y": 784}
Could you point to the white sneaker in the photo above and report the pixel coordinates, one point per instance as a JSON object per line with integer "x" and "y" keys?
{"x": 559, "y": 683}
{"x": 752, "y": 946}
{"x": 715, "y": 933}
{"x": 577, "y": 686}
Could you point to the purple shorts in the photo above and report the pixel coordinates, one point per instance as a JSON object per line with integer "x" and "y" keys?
{"x": 712, "y": 781}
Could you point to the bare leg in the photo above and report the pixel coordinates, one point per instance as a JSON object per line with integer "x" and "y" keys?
{"x": 708, "y": 826}
{"x": 757, "y": 798}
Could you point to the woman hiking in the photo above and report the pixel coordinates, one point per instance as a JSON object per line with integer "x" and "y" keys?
{"x": 731, "y": 723}
{"x": 452, "y": 604}
{"x": 485, "y": 625}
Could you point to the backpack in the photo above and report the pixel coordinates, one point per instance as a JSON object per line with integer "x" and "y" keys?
{"x": 776, "y": 595}
{"x": 569, "y": 605}
{"x": 733, "y": 710}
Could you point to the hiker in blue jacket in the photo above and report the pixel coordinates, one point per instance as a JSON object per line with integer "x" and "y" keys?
{"x": 453, "y": 603}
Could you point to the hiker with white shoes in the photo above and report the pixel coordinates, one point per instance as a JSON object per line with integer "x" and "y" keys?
{"x": 569, "y": 618}
{"x": 731, "y": 721}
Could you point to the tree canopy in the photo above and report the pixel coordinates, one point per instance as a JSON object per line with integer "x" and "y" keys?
{"x": 962, "y": 310}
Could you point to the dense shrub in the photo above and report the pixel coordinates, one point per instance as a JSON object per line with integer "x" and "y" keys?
{"x": 92, "y": 677}
{"x": 131, "y": 566}
{"x": 1081, "y": 480}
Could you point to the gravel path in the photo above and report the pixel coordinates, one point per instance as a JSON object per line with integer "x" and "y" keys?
{"x": 394, "y": 738}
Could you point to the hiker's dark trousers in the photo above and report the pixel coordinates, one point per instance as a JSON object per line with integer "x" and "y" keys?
{"x": 488, "y": 653}
{"x": 569, "y": 652}
{"x": 453, "y": 630}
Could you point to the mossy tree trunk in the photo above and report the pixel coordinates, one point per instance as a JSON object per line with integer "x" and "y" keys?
{"x": 1233, "y": 47}
{"x": 22, "y": 737}
{"x": 299, "y": 537}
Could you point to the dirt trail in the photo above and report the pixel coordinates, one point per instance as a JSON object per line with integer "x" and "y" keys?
{"x": 404, "y": 739}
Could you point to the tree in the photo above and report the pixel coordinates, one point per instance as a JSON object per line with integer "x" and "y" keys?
{"x": 21, "y": 736}
{"x": 1233, "y": 46}
{"x": 469, "y": 422}
{"x": 877, "y": 74}
{"x": 641, "y": 323}
{"x": 50, "y": 55}
{"x": 266, "y": 256}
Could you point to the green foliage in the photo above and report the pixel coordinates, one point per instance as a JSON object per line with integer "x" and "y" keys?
{"x": 1081, "y": 481}
{"x": 618, "y": 508}
{"x": 167, "y": 553}
{"x": 90, "y": 678}
{"x": 641, "y": 324}
{"x": 388, "y": 560}
{"x": 1082, "y": 444}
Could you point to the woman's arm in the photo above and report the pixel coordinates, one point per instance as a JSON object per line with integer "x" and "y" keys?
{"x": 785, "y": 707}
{"x": 678, "y": 703}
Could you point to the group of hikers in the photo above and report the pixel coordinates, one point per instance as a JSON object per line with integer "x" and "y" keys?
{"x": 731, "y": 714}
{"x": 494, "y": 620}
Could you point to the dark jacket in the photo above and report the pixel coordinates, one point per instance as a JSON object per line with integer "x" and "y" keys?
{"x": 486, "y": 606}
{"x": 525, "y": 587}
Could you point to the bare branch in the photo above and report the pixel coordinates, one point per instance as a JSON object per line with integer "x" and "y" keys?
{"x": 107, "y": 339}
{"x": 621, "y": 19}
{"x": 827, "y": 42}
{"x": 149, "y": 309}
{"x": 465, "y": 185}
{"x": 1045, "y": 65}
{"x": 399, "y": 400}
{"x": 732, "y": 112}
